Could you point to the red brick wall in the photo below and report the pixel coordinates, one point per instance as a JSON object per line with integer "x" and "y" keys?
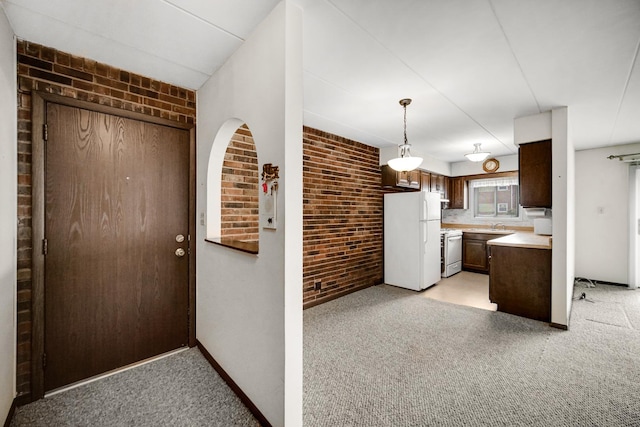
{"x": 240, "y": 186}
{"x": 44, "y": 69}
{"x": 342, "y": 211}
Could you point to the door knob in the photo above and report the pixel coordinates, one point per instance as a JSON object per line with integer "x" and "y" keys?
{"x": 180, "y": 252}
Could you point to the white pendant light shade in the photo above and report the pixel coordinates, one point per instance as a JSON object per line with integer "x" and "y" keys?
{"x": 402, "y": 164}
{"x": 478, "y": 155}
{"x": 405, "y": 162}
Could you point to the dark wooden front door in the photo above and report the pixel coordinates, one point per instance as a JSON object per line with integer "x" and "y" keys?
{"x": 116, "y": 197}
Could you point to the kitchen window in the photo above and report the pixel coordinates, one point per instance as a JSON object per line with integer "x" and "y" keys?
{"x": 495, "y": 198}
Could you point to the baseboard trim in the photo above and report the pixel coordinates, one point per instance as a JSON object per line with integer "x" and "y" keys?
{"x": 598, "y": 282}
{"x": 23, "y": 399}
{"x": 234, "y": 387}
{"x": 336, "y": 295}
{"x": 559, "y": 326}
{"x": 12, "y": 410}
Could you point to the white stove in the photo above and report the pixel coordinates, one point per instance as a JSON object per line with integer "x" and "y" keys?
{"x": 451, "y": 251}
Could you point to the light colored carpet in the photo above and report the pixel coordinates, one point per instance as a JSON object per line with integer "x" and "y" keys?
{"x": 179, "y": 390}
{"x": 385, "y": 356}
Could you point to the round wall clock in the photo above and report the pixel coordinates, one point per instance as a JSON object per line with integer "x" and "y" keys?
{"x": 491, "y": 165}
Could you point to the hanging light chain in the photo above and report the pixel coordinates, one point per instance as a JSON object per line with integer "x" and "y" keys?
{"x": 405, "y": 123}
{"x": 404, "y": 149}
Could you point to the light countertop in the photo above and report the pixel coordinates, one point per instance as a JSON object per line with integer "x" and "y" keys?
{"x": 500, "y": 231}
{"x": 523, "y": 239}
{"x": 484, "y": 228}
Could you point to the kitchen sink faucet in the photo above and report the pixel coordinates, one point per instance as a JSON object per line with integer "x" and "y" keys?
{"x": 495, "y": 226}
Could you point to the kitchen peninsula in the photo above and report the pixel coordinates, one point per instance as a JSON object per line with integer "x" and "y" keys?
{"x": 520, "y": 275}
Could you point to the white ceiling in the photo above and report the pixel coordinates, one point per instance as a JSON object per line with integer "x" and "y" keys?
{"x": 470, "y": 66}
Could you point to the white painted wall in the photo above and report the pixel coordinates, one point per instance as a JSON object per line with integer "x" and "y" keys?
{"x": 8, "y": 209}
{"x": 602, "y": 214}
{"x": 249, "y": 308}
{"x": 634, "y": 227}
{"x": 536, "y": 127}
{"x": 563, "y": 202}
{"x": 555, "y": 125}
{"x": 507, "y": 163}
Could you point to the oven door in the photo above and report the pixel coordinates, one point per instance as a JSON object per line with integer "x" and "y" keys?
{"x": 454, "y": 249}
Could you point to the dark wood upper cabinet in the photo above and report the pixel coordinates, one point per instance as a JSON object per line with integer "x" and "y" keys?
{"x": 534, "y": 159}
{"x": 409, "y": 180}
{"x": 437, "y": 183}
{"x": 457, "y": 193}
{"x": 425, "y": 178}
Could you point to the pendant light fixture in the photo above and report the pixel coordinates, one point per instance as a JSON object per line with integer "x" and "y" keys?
{"x": 405, "y": 162}
{"x": 478, "y": 155}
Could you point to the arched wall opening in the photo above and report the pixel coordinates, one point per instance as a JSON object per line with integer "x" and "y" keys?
{"x": 239, "y": 189}
{"x": 233, "y": 186}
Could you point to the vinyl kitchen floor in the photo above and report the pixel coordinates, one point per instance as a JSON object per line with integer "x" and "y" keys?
{"x": 464, "y": 288}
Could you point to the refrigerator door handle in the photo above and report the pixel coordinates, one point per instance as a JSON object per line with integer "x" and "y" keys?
{"x": 425, "y": 209}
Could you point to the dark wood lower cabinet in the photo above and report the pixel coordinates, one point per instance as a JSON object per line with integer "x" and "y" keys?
{"x": 475, "y": 255}
{"x": 520, "y": 281}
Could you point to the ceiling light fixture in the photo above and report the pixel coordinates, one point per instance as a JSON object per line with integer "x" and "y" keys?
{"x": 405, "y": 162}
{"x": 477, "y": 155}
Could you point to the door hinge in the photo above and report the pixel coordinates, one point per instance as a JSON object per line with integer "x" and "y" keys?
{"x": 45, "y": 246}
{"x": 45, "y": 132}
{"x": 44, "y": 360}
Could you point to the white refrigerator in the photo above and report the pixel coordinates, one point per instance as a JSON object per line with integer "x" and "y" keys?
{"x": 412, "y": 239}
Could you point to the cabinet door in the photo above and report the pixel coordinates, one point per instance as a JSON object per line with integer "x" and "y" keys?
{"x": 474, "y": 255}
{"x": 529, "y": 298}
{"x": 534, "y": 160}
{"x": 444, "y": 185}
{"x": 389, "y": 176}
{"x": 457, "y": 193}
{"x": 425, "y": 178}
{"x": 438, "y": 184}
{"x": 434, "y": 182}
{"x": 392, "y": 178}
{"x": 409, "y": 179}
{"x": 415, "y": 178}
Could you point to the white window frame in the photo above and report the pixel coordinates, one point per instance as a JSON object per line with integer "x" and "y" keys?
{"x": 493, "y": 182}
